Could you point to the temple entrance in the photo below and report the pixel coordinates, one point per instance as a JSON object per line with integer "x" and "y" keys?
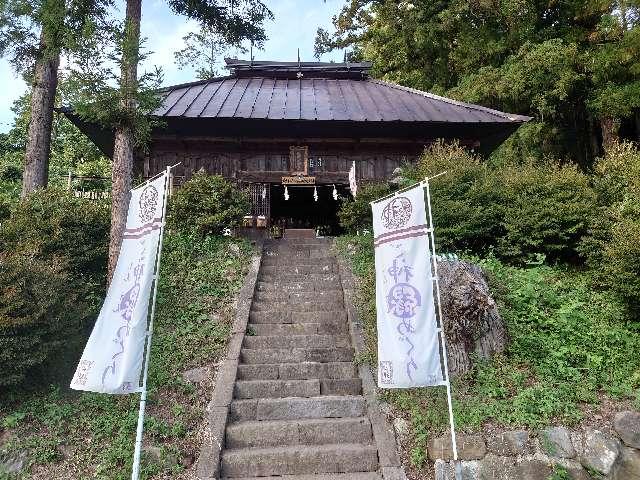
{"x": 301, "y": 210}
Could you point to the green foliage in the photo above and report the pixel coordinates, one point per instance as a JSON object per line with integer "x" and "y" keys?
{"x": 130, "y": 105}
{"x": 548, "y": 208}
{"x": 355, "y": 213}
{"x": 562, "y": 65}
{"x": 469, "y": 201}
{"x": 560, "y": 473}
{"x": 51, "y": 222}
{"x": 521, "y": 212}
{"x": 613, "y": 245}
{"x": 71, "y": 150}
{"x": 207, "y": 204}
{"x": 95, "y": 99}
{"x": 53, "y": 251}
{"x": 233, "y": 21}
{"x": 197, "y": 277}
{"x": 568, "y": 343}
{"x": 32, "y": 32}
{"x": 202, "y": 51}
{"x": 42, "y": 308}
{"x": 198, "y": 274}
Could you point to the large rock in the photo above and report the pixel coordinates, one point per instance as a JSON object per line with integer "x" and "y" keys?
{"x": 600, "y": 451}
{"x": 509, "y": 443}
{"x": 13, "y": 464}
{"x": 471, "y": 320}
{"x": 493, "y": 467}
{"x": 402, "y": 428}
{"x": 556, "y": 442}
{"x": 447, "y": 470}
{"x": 533, "y": 469}
{"x": 627, "y": 426}
{"x": 196, "y": 375}
{"x": 470, "y": 447}
{"x": 628, "y": 466}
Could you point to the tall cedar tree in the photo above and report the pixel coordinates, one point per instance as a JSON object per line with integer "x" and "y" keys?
{"x": 34, "y": 35}
{"x": 234, "y": 20}
{"x": 573, "y": 65}
{"x": 203, "y": 51}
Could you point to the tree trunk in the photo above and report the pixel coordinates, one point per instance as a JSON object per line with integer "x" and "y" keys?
{"x": 610, "y": 127}
{"x": 124, "y": 137}
{"x": 472, "y": 324}
{"x": 43, "y": 94}
{"x": 594, "y": 140}
{"x": 637, "y": 118}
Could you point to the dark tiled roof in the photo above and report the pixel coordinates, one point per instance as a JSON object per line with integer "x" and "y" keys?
{"x": 364, "y": 100}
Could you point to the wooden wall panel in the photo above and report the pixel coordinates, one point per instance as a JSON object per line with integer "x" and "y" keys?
{"x": 374, "y": 162}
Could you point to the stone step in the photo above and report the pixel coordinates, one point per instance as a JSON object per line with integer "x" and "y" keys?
{"x": 296, "y": 341}
{"x": 296, "y": 296}
{"x": 294, "y": 242}
{"x": 297, "y": 328}
{"x": 296, "y": 408}
{"x": 282, "y": 277}
{"x": 283, "y": 261}
{"x": 322, "y": 476}
{"x": 298, "y": 251}
{"x": 298, "y": 460}
{"x": 305, "y": 286}
{"x": 299, "y": 432}
{"x": 246, "y": 389}
{"x": 293, "y": 268}
{"x": 299, "y": 233}
{"x": 286, "y": 316}
{"x": 298, "y": 371}
{"x": 292, "y": 355}
{"x": 319, "y": 305}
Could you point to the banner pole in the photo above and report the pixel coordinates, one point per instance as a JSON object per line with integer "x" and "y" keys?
{"x": 135, "y": 472}
{"x": 443, "y": 343}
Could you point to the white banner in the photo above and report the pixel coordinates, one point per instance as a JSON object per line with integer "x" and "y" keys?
{"x": 408, "y": 344}
{"x": 112, "y": 358}
{"x": 353, "y": 186}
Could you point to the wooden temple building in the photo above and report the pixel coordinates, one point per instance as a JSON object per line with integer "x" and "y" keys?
{"x": 304, "y": 125}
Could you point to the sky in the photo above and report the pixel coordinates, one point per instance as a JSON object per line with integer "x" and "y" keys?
{"x": 294, "y": 26}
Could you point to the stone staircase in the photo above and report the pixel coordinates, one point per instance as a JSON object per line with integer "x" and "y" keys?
{"x": 298, "y": 411}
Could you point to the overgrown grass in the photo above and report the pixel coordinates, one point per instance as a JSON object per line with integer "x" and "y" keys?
{"x": 70, "y": 435}
{"x": 569, "y": 344}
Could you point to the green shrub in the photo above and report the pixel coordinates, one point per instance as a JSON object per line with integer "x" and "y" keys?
{"x": 51, "y": 222}
{"x": 547, "y": 211}
{"x": 522, "y": 212}
{"x": 620, "y": 267}
{"x": 468, "y": 201}
{"x": 6, "y": 205}
{"x": 612, "y": 247}
{"x": 569, "y": 343}
{"x": 42, "y": 308}
{"x": 355, "y": 213}
{"x": 10, "y": 172}
{"x": 207, "y": 204}
{"x": 53, "y": 256}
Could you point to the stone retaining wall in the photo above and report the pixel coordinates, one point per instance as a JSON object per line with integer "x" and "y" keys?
{"x": 518, "y": 454}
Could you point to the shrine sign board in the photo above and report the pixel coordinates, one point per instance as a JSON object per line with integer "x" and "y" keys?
{"x": 299, "y": 180}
